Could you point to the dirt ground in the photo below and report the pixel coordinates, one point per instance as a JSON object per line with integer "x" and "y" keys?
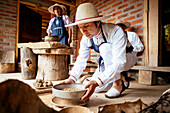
{"x": 147, "y": 94}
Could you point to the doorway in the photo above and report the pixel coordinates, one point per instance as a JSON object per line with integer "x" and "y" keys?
{"x": 30, "y": 29}
{"x": 164, "y": 41}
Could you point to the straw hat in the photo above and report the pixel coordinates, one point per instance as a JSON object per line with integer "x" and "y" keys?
{"x": 127, "y": 24}
{"x": 87, "y": 12}
{"x": 50, "y": 9}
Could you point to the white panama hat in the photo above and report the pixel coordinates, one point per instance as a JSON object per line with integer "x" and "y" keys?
{"x": 50, "y": 9}
{"x": 127, "y": 24}
{"x": 87, "y": 12}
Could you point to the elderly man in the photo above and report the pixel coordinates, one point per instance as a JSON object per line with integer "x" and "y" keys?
{"x": 107, "y": 39}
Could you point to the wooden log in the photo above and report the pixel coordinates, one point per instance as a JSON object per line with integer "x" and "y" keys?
{"x": 28, "y": 63}
{"x": 52, "y": 67}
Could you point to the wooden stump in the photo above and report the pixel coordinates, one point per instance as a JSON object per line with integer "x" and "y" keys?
{"x": 52, "y": 67}
{"x": 28, "y": 63}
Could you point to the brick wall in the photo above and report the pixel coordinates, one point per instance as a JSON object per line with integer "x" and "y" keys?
{"x": 126, "y": 10}
{"x": 8, "y": 10}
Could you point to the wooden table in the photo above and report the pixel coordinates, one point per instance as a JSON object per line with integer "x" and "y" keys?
{"x": 52, "y": 60}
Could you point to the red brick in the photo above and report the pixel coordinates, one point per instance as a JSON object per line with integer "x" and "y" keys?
{"x": 12, "y": 44}
{"x": 14, "y": 2}
{"x": 136, "y": 11}
{"x": 130, "y": 28}
{"x": 116, "y": 13}
{"x": 13, "y": 9}
{"x": 129, "y": 18}
{"x": 9, "y": 47}
{"x": 9, "y": 40}
{"x": 99, "y": 5}
{"x": 0, "y": 39}
{"x": 95, "y": 3}
{"x": 13, "y": 37}
{"x": 140, "y": 4}
{"x": 123, "y": 6}
{"x": 4, "y": 14}
{"x": 10, "y": 12}
{"x": 140, "y": 53}
{"x": 3, "y": 43}
{"x": 1, "y": 17}
{"x": 133, "y": 1}
{"x": 0, "y": 32}
{"x": 110, "y": 12}
{"x": 137, "y": 21}
{"x": 129, "y": 8}
{"x": 112, "y": 1}
{"x": 140, "y": 59}
{"x": 10, "y": 33}
{"x": 0, "y": 24}
{"x": 121, "y": 16}
{"x": 139, "y": 26}
{"x": 125, "y": 0}
{"x": 10, "y": 26}
{"x": 119, "y": 3}
{"x": 10, "y": 19}
{"x": 105, "y": 1}
{"x": 102, "y": 6}
{"x": 111, "y": 20}
{"x": 107, "y": 9}
{"x": 139, "y": 15}
{"x": 141, "y": 37}
{"x": 139, "y": 32}
{"x": 3, "y": 36}
{"x": 1, "y": 10}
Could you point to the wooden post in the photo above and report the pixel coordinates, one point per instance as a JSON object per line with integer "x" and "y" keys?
{"x": 52, "y": 67}
{"x": 147, "y": 77}
{"x": 28, "y": 63}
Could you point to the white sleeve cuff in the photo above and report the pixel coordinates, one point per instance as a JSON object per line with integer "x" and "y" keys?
{"x": 99, "y": 82}
{"x": 73, "y": 77}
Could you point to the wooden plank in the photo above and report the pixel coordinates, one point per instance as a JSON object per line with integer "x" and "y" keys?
{"x": 71, "y": 4}
{"x": 151, "y": 68}
{"x": 41, "y": 8}
{"x": 42, "y": 45}
{"x": 53, "y": 51}
{"x": 146, "y": 33}
{"x": 153, "y": 32}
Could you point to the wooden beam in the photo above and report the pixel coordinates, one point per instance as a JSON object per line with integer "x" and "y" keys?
{"x": 146, "y": 32}
{"x": 42, "y": 8}
{"x": 65, "y": 2}
{"x": 153, "y": 32}
{"x": 17, "y": 36}
{"x": 151, "y": 68}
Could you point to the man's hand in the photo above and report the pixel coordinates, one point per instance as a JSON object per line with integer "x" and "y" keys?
{"x": 67, "y": 81}
{"x": 91, "y": 87}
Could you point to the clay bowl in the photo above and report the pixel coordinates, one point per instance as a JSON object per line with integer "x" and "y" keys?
{"x": 58, "y": 91}
{"x": 76, "y": 109}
